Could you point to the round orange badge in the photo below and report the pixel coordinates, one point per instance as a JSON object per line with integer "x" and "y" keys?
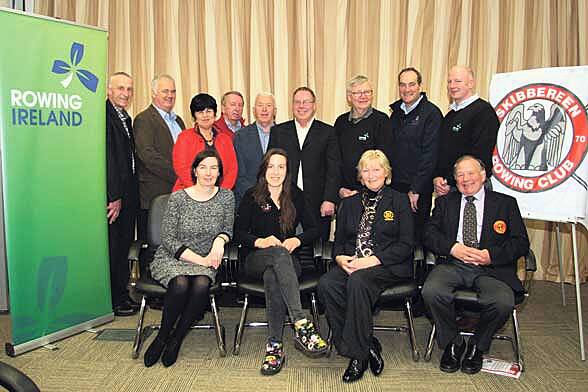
{"x": 500, "y": 227}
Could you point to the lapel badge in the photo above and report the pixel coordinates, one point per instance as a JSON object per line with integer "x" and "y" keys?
{"x": 499, "y": 227}
{"x": 364, "y": 137}
{"x": 456, "y": 128}
{"x": 388, "y": 216}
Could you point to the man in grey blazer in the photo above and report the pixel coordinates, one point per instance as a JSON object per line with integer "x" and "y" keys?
{"x": 156, "y": 130}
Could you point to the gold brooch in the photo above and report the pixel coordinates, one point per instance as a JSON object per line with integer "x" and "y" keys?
{"x": 388, "y": 215}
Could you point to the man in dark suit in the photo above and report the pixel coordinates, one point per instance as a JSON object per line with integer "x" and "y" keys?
{"x": 122, "y": 188}
{"x": 156, "y": 130}
{"x": 313, "y": 156}
{"x": 251, "y": 143}
{"x": 482, "y": 235}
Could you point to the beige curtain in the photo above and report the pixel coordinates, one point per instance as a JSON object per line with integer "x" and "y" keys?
{"x": 275, "y": 46}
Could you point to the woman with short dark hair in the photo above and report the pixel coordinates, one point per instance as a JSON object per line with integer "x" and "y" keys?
{"x": 203, "y": 136}
{"x": 266, "y": 223}
{"x": 197, "y": 225}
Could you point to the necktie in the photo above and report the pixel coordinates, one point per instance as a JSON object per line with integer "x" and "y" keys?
{"x": 470, "y": 225}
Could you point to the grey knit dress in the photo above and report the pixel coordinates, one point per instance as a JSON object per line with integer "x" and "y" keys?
{"x": 193, "y": 224}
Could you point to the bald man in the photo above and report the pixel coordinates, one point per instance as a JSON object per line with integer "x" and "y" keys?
{"x": 469, "y": 128}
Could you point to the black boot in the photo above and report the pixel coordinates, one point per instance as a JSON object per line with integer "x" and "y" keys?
{"x": 154, "y": 351}
{"x": 170, "y": 354}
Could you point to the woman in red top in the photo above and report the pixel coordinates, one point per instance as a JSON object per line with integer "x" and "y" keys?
{"x": 191, "y": 141}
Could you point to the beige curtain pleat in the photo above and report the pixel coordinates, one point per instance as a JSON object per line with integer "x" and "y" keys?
{"x": 277, "y": 45}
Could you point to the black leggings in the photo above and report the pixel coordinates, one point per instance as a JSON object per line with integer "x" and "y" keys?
{"x": 184, "y": 303}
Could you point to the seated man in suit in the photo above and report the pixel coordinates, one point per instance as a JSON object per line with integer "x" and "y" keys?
{"x": 482, "y": 235}
{"x": 313, "y": 157}
{"x": 251, "y": 143}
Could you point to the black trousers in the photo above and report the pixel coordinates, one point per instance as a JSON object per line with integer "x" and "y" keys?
{"x": 496, "y": 299}
{"x": 349, "y": 301}
{"x": 120, "y": 236}
{"x": 142, "y": 219}
{"x": 423, "y": 214}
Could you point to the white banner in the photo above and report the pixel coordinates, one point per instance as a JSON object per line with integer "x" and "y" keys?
{"x": 540, "y": 154}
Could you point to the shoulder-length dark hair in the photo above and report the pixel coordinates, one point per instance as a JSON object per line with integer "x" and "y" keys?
{"x": 261, "y": 192}
{"x": 202, "y": 155}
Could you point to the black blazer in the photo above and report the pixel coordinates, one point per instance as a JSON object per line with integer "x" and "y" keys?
{"x": 121, "y": 182}
{"x": 320, "y": 155}
{"x": 503, "y": 233}
{"x": 393, "y": 230}
{"x": 154, "y": 144}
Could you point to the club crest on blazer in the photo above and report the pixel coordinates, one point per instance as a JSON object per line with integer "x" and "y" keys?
{"x": 500, "y": 226}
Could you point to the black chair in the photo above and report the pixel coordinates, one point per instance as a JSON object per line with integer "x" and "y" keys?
{"x": 143, "y": 285}
{"x": 309, "y": 257}
{"x": 468, "y": 306}
{"x": 14, "y": 380}
{"x": 397, "y": 298}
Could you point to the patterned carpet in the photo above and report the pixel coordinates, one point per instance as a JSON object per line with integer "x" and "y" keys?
{"x": 82, "y": 363}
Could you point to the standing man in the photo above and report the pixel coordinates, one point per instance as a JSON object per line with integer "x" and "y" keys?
{"x": 231, "y": 119}
{"x": 313, "y": 156}
{"x": 357, "y": 131}
{"x": 412, "y": 146}
{"x": 122, "y": 188}
{"x": 251, "y": 143}
{"x": 470, "y": 127}
{"x": 481, "y": 234}
{"x": 156, "y": 130}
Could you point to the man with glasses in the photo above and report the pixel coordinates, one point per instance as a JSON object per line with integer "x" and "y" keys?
{"x": 358, "y": 130}
{"x": 156, "y": 130}
{"x": 313, "y": 156}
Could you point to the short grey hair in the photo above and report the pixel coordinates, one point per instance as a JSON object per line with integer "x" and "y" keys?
{"x": 266, "y": 94}
{"x": 156, "y": 80}
{"x": 119, "y": 73}
{"x": 357, "y": 79}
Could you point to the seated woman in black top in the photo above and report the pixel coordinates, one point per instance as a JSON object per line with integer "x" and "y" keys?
{"x": 373, "y": 242}
{"x": 265, "y": 227}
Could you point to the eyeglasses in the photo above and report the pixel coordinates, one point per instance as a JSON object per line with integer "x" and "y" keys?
{"x": 306, "y": 102}
{"x": 205, "y": 111}
{"x": 367, "y": 93}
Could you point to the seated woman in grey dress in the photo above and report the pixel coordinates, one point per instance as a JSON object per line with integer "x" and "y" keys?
{"x": 266, "y": 229}
{"x": 197, "y": 224}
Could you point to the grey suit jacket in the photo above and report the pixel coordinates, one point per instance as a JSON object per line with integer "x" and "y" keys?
{"x": 154, "y": 144}
{"x": 249, "y": 157}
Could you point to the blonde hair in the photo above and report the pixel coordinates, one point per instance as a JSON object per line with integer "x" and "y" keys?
{"x": 379, "y": 156}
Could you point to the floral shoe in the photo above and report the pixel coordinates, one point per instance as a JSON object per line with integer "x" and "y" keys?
{"x": 308, "y": 340}
{"x": 274, "y": 359}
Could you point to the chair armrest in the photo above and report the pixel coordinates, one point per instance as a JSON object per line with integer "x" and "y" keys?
{"x": 135, "y": 250}
{"x": 530, "y": 261}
